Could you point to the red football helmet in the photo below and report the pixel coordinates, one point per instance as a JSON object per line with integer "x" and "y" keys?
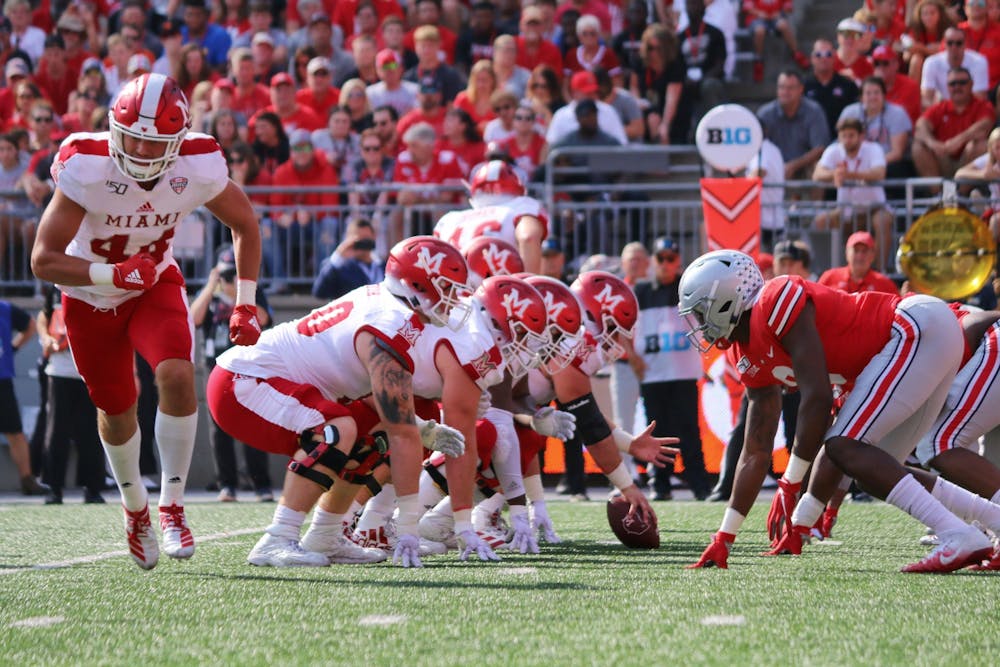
{"x": 432, "y": 278}
{"x": 489, "y": 256}
{"x": 520, "y": 321}
{"x": 565, "y": 322}
{"x": 151, "y": 107}
{"x": 492, "y": 181}
{"x": 610, "y": 310}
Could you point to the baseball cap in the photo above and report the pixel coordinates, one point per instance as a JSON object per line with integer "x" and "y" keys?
{"x": 318, "y": 64}
{"x": 262, "y": 38}
{"x": 851, "y": 25}
{"x": 282, "y": 78}
{"x": 765, "y": 261}
{"x": 225, "y": 84}
{"x": 320, "y": 17}
{"x": 884, "y": 52}
{"x": 386, "y": 57}
{"x": 300, "y": 136}
{"x": 16, "y": 67}
{"x": 584, "y": 82}
{"x": 225, "y": 259}
{"x": 794, "y": 250}
{"x": 90, "y": 64}
{"x": 861, "y": 237}
{"x": 665, "y": 244}
{"x": 551, "y": 246}
{"x": 139, "y": 63}
{"x": 71, "y": 23}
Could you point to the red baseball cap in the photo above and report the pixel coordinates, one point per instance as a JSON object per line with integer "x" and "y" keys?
{"x": 584, "y": 82}
{"x": 386, "y": 56}
{"x": 765, "y": 261}
{"x": 884, "y": 52}
{"x": 226, "y": 84}
{"x": 861, "y": 237}
{"x": 282, "y": 78}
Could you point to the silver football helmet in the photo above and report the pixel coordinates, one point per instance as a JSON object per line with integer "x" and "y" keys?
{"x": 715, "y": 290}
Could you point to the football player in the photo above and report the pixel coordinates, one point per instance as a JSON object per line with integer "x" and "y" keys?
{"x": 901, "y": 354}
{"x": 284, "y": 396}
{"x": 500, "y": 208}
{"x": 106, "y": 239}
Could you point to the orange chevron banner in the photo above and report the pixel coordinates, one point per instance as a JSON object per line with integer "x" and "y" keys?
{"x": 732, "y": 213}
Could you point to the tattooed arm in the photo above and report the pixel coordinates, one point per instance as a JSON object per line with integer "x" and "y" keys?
{"x": 392, "y": 392}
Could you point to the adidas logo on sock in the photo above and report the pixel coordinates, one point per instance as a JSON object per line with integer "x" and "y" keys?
{"x": 134, "y": 277}
{"x": 145, "y": 208}
{"x": 174, "y": 480}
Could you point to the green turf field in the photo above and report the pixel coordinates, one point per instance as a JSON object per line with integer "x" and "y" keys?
{"x": 589, "y": 601}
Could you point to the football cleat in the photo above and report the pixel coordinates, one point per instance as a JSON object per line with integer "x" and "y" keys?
{"x": 178, "y": 542}
{"x": 342, "y": 551}
{"x": 930, "y": 539}
{"x": 438, "y": 528}
{"x": 959, "y": 548}
{"x": 991, "y": 565}
{"x": 373, "y": 538}
{"x": 274, "y": 551}
{"x": 142, "y": 543}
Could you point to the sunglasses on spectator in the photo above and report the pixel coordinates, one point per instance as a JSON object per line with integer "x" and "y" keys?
{"x": 823, "y": 54}
{"x": 882, "y": 63}
{"x": 371, "y": 149}
{"x": 525, "y": 117}
{"x": 533, "y": 22}
{"x": 537, "y": 85}
{"x": 356, "y": 93}
{"x": 955, "y": 83}
{"x": 667, "y": 256}
{"x": 237, "y": 160}
{"x": 955, "y": 42}
{"x": 503, "y": 107}
{"x": 391, "y": 65}
{"x": 42, "y": 119}
{"x": 302, "y": 148}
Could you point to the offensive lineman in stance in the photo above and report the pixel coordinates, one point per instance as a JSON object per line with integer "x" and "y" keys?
{"x": 106, "y": 239}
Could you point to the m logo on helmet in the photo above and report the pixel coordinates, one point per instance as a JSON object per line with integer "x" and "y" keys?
{"x": 608, "y": 300}
{"x": 497, "y": 259}
{"x": 553, "y": 308}
{"x": 515, "y": 305}
{"x": 430, "y": 263}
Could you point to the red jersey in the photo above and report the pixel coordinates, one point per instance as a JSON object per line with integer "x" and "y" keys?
{"x": 900, "y": 14}
{"x": 873, "y": 281}
{"x": 463, "y": 102}
{"x": 547, "y": 53}
{"x": 415, "y": 116}
{"x": 576, "y": 60}
{"x": 770, "y": 8}
{"x": 302, "y": 118}
{"x": 528, "y": 158}
{"x": 468, "y": 154}
{"x": 906, "y": 93}
{"x": 306, "y": 97}
{"x": 986, "y": 42}
{"x": 345, "y": 10}
{"x": 442, "y": 169}
{"x": 852, "y": 327}
{"x": 947, "y": 122}
{"x": 57, "y": 91}
{"x": 319, "y": 174}
{"x": 861, "y": 68}
{"x": 250, "y": 103}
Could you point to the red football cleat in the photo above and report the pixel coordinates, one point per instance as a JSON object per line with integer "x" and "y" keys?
{"x": 959, "y": 548}
{"x": 178, "y": 542}
{"x": 991, "y": 565}
{"x": 141, "y": 540}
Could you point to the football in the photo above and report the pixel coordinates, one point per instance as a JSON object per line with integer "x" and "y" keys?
{"x": 631, "y": 531}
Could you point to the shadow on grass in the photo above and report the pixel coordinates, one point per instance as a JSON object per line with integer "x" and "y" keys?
{"x": 395, "y": 583}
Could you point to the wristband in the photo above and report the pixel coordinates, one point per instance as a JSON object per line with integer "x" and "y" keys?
{"x": 246, "y": 292}
{"x": 732, "y": 521}
{"x": 102, "y": 274}
{"x": 623, "y": 439}
{"x": 620, "y": 477}
{"x": 533, "y": 488}
{"x": 796, "y": 469}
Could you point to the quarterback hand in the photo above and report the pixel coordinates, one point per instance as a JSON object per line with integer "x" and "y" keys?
{"x": 779, "y": 519}
{"x": 554, "y": 423}
{"x": 639, "y": 505}
{"x": 520, "y": 536}
{"x": 244, "y": 329}
{"x": 542, "y": 523}
{"x": 442, "y": 438}
{"x": 407, "y": 552}
{"x": 138, "y": 272}
{"x": 647, "y": 447}
{"x": 716, "y": 554}
{"x": 470, "y": 543}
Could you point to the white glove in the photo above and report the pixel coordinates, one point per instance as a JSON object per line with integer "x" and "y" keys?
{"x": 485, "y": 401}
{"x": 542, "y": 524}
{"x": 520, "y": 536}
{"x": 555, "y": 423}
{"x": 442, "y": 438}
{"x": 407, "y": 551}
{"x": 470, "y": 543}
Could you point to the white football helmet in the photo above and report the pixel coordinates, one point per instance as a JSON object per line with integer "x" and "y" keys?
{"x": 715, "y": 290}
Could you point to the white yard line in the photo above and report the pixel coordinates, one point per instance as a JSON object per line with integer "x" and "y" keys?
{"x": 82, "y": 560}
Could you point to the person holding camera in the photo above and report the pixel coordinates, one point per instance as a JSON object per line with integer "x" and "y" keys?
{"x": 210, "y": 311}
{"x": 351, "y": 265}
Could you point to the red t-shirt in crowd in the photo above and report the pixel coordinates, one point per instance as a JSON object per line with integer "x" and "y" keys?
{"x": 547, "y": 54}
{"x": 873, "y": 281}
{"x": 306, "y": 97}
{"x": 528, "y": 159}
{"x": 860, "y": 68}
{"x": 576, "y": 61}
{"x": 448, "y": 40}
{"x": 986, "y": 42}
{"x": 320, "y": 173}
{"x": 411, "y": 118}
{"x": 303, "y": 117}
{"x": 443, "y": 168}
{"x": 906, "y": 93}
{"x": 468, "y": 155}
{"x": 463, "y": 102}
{"x": 948, "y": 122}
{"x": 250, "y": 103}
{"x": 345, "y": 10}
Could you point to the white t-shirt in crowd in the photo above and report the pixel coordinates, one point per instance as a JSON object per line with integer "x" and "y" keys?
{"x": 936, "y": 68}
{"x": 869, "y": 156}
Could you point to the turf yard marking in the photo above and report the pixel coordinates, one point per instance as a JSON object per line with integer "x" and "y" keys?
{"x": 83, "y": 560}
{"x": 724, "y": 620}
{"x": 379, "y": 619}
{"x": 517, "y": 570}
{"x": 37, "y": 622}
{"x": 827, "y": 543}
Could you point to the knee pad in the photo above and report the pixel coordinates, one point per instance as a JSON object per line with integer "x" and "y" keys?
{"x": 322, "y": 451}
{"x": 369, "y": 451}
{"x": 591, "y": 426}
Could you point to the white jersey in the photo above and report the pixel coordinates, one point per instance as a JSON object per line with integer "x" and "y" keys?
{"x": 588, "y": 361}
{"x": 474, "y": 349}
{"x": 460, "y": 228}
{"x": 121, "y": 218}
{"x": 318, "y": 349}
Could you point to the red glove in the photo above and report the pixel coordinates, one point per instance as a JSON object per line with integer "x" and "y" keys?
{"x": 791, "y": 542}
{"x": 779, "y": 519}
{"x": 138, "y": 272}
{"x": 716, "y": 553}
{"x": 244, "y": 329}
{"x": 824, "y": 525}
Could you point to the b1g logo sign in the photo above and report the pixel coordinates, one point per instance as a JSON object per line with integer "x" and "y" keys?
{"x": 728, "y": 137}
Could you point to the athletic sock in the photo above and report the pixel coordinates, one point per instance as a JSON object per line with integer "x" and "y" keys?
{"x": 124, "y": 461}
{"x": 286, "y": 522}
{"x": 910, "y": 496}
{"x": 324, "y": 524}
{"x": 378, "y": 509}
{"x": 808, "y": 510}
{"x": 175, "y": 441}
{"x": 967, "y": 505}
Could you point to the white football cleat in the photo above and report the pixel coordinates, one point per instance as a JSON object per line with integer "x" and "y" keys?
{"x": 274, "y": 551}
{"x": 342, "y": 551}
{"x": 142, "y": 543}
{"x": 178, "y": 542}
{"x": 440, "y": 528}
{"x": 959, "y": 548}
